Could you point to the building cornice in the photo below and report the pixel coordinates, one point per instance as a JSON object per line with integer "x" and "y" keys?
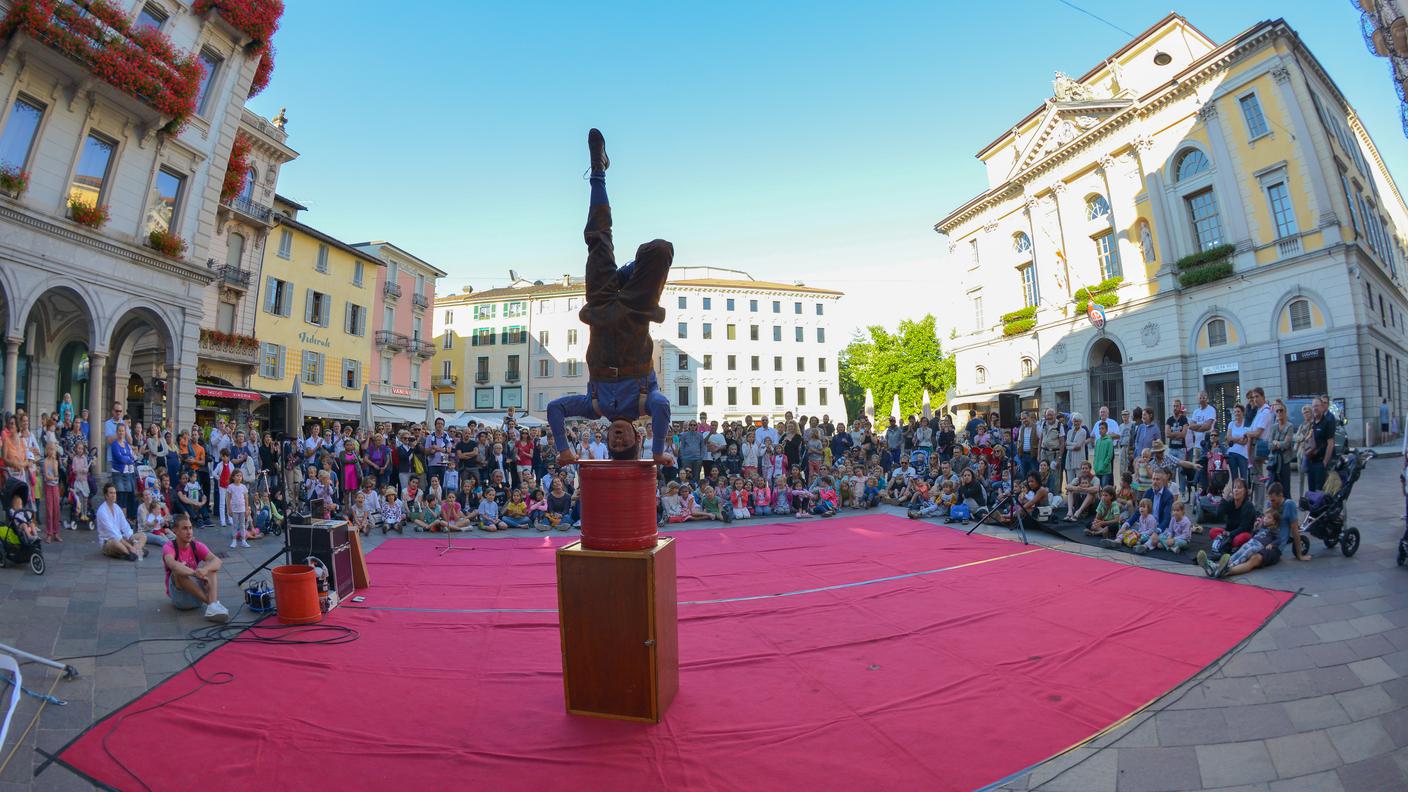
{"x": 181, "y": 269}
{"x": 1180, "y": 86}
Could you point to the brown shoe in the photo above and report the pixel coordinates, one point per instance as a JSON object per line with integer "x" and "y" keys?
{"x": 596, "y": 145}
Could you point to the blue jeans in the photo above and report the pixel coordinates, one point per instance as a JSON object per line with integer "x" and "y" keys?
{"x": 1315, "y": 475}
{"x": 1237, "y": 464}
{"x": 620, "y": 399}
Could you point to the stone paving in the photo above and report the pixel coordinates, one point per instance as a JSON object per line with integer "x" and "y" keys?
{"x": 1316, "y": 701}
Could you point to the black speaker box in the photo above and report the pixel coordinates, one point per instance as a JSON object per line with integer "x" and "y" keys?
{"x": 1009, "y": 407}
{"x": 278, "y": 415}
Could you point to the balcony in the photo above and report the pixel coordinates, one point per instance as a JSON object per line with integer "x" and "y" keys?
{"x": 258, "y": 213}
{"x": 420, "y": 301}
{"x": 242, "y": 350}
{"x": 481, "y": 377}
{"x": 232, "y": 275}
{"x": 387, "y": 339}
{"x": 1288, "y": 246}
{"x": 422, "y": 349}
{"x": 391, "y": 289}
{"x": 511, "y": 376}
{"x": 447, "y": 382}
{"x": 99, "y": 49}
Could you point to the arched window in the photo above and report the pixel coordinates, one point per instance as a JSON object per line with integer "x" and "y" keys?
{"x": 1190, "y": 163}
{"x": 247, "y": 191}
{"x": 1300, "y": 314}
{"x": 1021, "y": 244}
{"x": 1217, "y": 332}
{"x": 981, "y": 375}
{"x": 1028, "y": 367}
{"x": 234, "y": 249}
{"x": 1096, "y": 207}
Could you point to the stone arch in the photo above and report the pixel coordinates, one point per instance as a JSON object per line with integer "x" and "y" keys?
{"x": 1291, "y": 295}
{"x": 55, "y": 309}
{"x": 1184, "y": 147}
{"x": 1104, "y": 362}
{"x": 1215, "y": 312}
{"x": 128, "y": 320}
{"x": 10, "y": 314}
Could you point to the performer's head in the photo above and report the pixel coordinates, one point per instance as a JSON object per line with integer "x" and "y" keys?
{"x": 622, "y": 441}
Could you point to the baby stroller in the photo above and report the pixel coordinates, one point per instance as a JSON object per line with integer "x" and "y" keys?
{"x": 1326, "y": 514}
{"x": 15, "y": 547}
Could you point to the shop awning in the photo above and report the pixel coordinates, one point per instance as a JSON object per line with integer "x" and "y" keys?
{"x": 398, "y": 413}
{"x": 961, "y": 401}
{"x": 331, "y": 408}
{"x": 238, "y": 394}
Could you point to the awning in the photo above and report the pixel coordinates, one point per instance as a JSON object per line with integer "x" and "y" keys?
{"x": 238, "y": 394}
{"x": 331, "y": 408}
{"x": 398, "y": 413}
{"x": 961, "y": 400}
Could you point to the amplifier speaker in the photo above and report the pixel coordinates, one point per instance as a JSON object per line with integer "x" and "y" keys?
{"x": 327, "y": 541}
{"x": 1009, "y": 406}
{"x": 278, "y": 415}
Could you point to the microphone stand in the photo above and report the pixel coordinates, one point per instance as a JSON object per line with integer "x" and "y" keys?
{"x": 1002, "y": 502}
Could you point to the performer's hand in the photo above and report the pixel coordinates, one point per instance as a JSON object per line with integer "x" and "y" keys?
{"x": 665, "y": 459}
{"x": 565, "y": 458}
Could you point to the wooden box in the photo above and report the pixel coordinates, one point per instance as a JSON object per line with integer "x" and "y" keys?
{"x": 618, "y": 616}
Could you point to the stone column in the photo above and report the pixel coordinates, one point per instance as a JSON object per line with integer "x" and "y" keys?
{"x": 173, "y": 391}
{"x": 12, "y": 373}
{"x": 1230, "y": 206}
{"x": 1322, "y": 207}
{"x": 98, "y": 410}
{"x": 1122, "y": 190}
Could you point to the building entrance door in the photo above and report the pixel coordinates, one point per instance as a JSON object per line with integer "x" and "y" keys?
{"x": 1106, "y": 377}
{"x": 1224, "y": 392}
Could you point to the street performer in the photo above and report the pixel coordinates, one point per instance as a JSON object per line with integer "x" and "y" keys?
{"x": 621, "y": 304}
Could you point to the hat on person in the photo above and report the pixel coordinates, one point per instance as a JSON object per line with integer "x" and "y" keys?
{"x": 1157, "y": 446}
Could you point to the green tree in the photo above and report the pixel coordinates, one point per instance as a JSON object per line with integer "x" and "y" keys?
{"x": 904, "y": 362}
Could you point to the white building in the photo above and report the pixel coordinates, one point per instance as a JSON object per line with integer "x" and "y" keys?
{"x": 1224, "y": 203}
{"x": 730, "y": 346}
{"x": 93, "y": 309}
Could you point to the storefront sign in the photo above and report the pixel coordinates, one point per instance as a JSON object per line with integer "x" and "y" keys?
{"x": 225, "y": 393}
{"x": 312, "y": 338}
{"x": 395, "y": 391}
{"x": 1307, "y": 354}
{"x": 1219, "y": 368}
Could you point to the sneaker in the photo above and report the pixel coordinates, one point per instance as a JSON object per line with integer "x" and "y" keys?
{"x": 596, "y": 146}
{"x": 133, "y": 557}
{"x": 234, "y": 544}
{"x": 1222, "y": 564}
{"x": 1110, "y": 543}
{"x": 1141, "y": 549}
{"x": 217, "y": 613}
{"x": 1202, "y": 560}
{"x": 243, "y": 543}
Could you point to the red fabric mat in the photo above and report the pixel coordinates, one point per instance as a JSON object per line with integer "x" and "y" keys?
{"x": 950, "y": 680}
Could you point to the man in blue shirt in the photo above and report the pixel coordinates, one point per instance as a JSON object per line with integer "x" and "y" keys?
{"x": 621, "y": 303}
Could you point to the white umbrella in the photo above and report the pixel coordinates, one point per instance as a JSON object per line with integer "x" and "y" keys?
{"x": 895, "y": 407}
{"x": 928, "y": 411}
{"x": 430, "y": 411}
{"x": 366, "y": 418}
{"x": 295, "y": 409}
{"x": 869, "y": 408}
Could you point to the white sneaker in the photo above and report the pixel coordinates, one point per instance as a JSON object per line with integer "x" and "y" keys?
{"x": 234, "y": 544}
{"x": 243, "y": 543}
{"x": 217, "y": 613}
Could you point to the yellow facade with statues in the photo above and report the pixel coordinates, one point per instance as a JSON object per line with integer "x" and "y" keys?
{"x": 1225, "y": 207}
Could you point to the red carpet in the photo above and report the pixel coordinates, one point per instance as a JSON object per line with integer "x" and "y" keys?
{"x": 950, "y": 680}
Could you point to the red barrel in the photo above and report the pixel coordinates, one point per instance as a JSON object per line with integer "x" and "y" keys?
{"x": 618, "y": 504}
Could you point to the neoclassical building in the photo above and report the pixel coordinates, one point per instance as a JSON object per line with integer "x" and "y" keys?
{"x": 1220, "y": 203}
{"x": 94, "y": 310}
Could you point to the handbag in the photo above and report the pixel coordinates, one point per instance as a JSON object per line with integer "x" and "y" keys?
{"x": 960, "y": 511}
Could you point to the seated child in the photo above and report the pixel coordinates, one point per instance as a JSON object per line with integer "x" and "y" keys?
{"x": 1107, "y": 514}
{"x": 672, "y": 502}
{"x": 1138, "y": 530}
{"x": 559, "y": 505}
{"x": 393, "y": 513}
{"x": 711, "y": 506}
{"x": 1176, "y": 537}
{"x": 946, "y": 498}
{"x": 1143, "y": 474}
{"x": 538, "y": 509}
{"x": 361, "y": 520}
{"x": 454, "y": 517}
{"x": 740, "y": 500}
{"x": 762, "y": 497}
{"x": 489, "y": 512}
{"x": 22, "y": 519}
{"x": 516, "y": 510}
{"x": 920, "y": 504}
{"x": 870, "y": 494}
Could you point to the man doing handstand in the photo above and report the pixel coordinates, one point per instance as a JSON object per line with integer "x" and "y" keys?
{"x": 621, "y": 304}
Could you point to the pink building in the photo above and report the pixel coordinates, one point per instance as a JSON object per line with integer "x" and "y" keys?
{"x": 402, "y": 351}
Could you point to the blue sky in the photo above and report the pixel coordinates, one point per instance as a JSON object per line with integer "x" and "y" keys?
{"x": 814, "y": 142}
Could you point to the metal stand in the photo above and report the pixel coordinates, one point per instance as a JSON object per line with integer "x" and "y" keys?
{"x": 1005, "y": 500}
{"x": 450, "y": 544}
{"x": 69, "y": 671}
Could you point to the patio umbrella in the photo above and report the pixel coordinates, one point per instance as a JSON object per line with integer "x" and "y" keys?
{"x": 895, "y": 407}
{"x": 928, "y": 411}
{"x": 366, "y": 418}
{"x": 295, "y": 409}
{"x": 430, "y": 412}
{"x": 869, "y": 408}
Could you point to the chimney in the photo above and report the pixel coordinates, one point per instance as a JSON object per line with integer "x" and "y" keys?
{"x": 513, "y": 276}
{"x": 566, "y": 280}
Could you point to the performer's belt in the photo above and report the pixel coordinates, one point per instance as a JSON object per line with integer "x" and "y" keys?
{"x": 613, "y": 373}
{"x": 644, "y": 394}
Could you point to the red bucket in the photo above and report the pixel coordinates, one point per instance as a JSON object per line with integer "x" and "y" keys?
{"x": 618, "y": 504}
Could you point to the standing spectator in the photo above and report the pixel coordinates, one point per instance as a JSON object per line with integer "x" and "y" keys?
{"x": 924, "y": 437}
{"x": 437, "y": 449}
{"x": 1323, "y": 450}
{"x": 52, "y": 497}
{"x": 1104, "y": 455}
{"x": 1026, "y": 445}
{"x": 1202, "y": 420}
{"x": 1383, "y": 419}
{"x": 1124, "y": 459}
{"x": 1282, "y": 443}
{"x": 1305, "y": 444}
{"x": 692, "y": 449}
{"x": 1258, "y": 435}
{"x": 122, "y": 468}
{"x": 1146, "y": 432}
{"x": 894, "y": 440}
{"x": 1238, "y": 457}
{"x": 1077, "y": 446}
{"x": 1053, "y": 440}
{"x": 1176, "y": 432}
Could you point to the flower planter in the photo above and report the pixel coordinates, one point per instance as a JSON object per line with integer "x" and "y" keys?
{"x": 85, "y": 215}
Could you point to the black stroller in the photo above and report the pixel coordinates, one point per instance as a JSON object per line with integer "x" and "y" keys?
{"x": 15, "y": 547}
{"x": 1325, "y": 514}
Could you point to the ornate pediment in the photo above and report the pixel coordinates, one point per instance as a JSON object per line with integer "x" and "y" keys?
{"x": 1064, "y": 123}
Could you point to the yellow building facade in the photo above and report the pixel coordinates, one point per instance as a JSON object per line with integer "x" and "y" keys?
{"x": 314, "y": 321}
{"x": 1225, "y": 208}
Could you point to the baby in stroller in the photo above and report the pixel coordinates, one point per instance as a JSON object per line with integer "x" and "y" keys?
{"x": 19, "y": 539}
{"x": 1326, "y": 511}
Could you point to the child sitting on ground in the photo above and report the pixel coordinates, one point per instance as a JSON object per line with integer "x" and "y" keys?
{"x": 762, "y": 497}
{"x": 920, "y": 504}
{"x": 453, "y": 516}
{"x": 1107, "y": 514}
{"x": 712, "y": 505}
{"x": 672, "y": 503}
{"x": 515, "y": 513}
{"x": 1175, "y": 538}
{"x": 870, "y": 496}
{"x": 740, "y": 500}
{"x": 781, "y": 496}
{"x": 1138, "y": 530}
{"x": 538, "y": 509}
{"x": 489, "y": 512}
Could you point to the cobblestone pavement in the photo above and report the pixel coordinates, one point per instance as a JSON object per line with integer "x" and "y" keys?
{"x": 1316, "y": 701}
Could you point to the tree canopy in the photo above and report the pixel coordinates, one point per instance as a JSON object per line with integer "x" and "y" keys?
{"x": 904, "y": 362}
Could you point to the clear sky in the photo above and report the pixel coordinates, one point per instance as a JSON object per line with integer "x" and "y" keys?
{"x": 800, "y": 141}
